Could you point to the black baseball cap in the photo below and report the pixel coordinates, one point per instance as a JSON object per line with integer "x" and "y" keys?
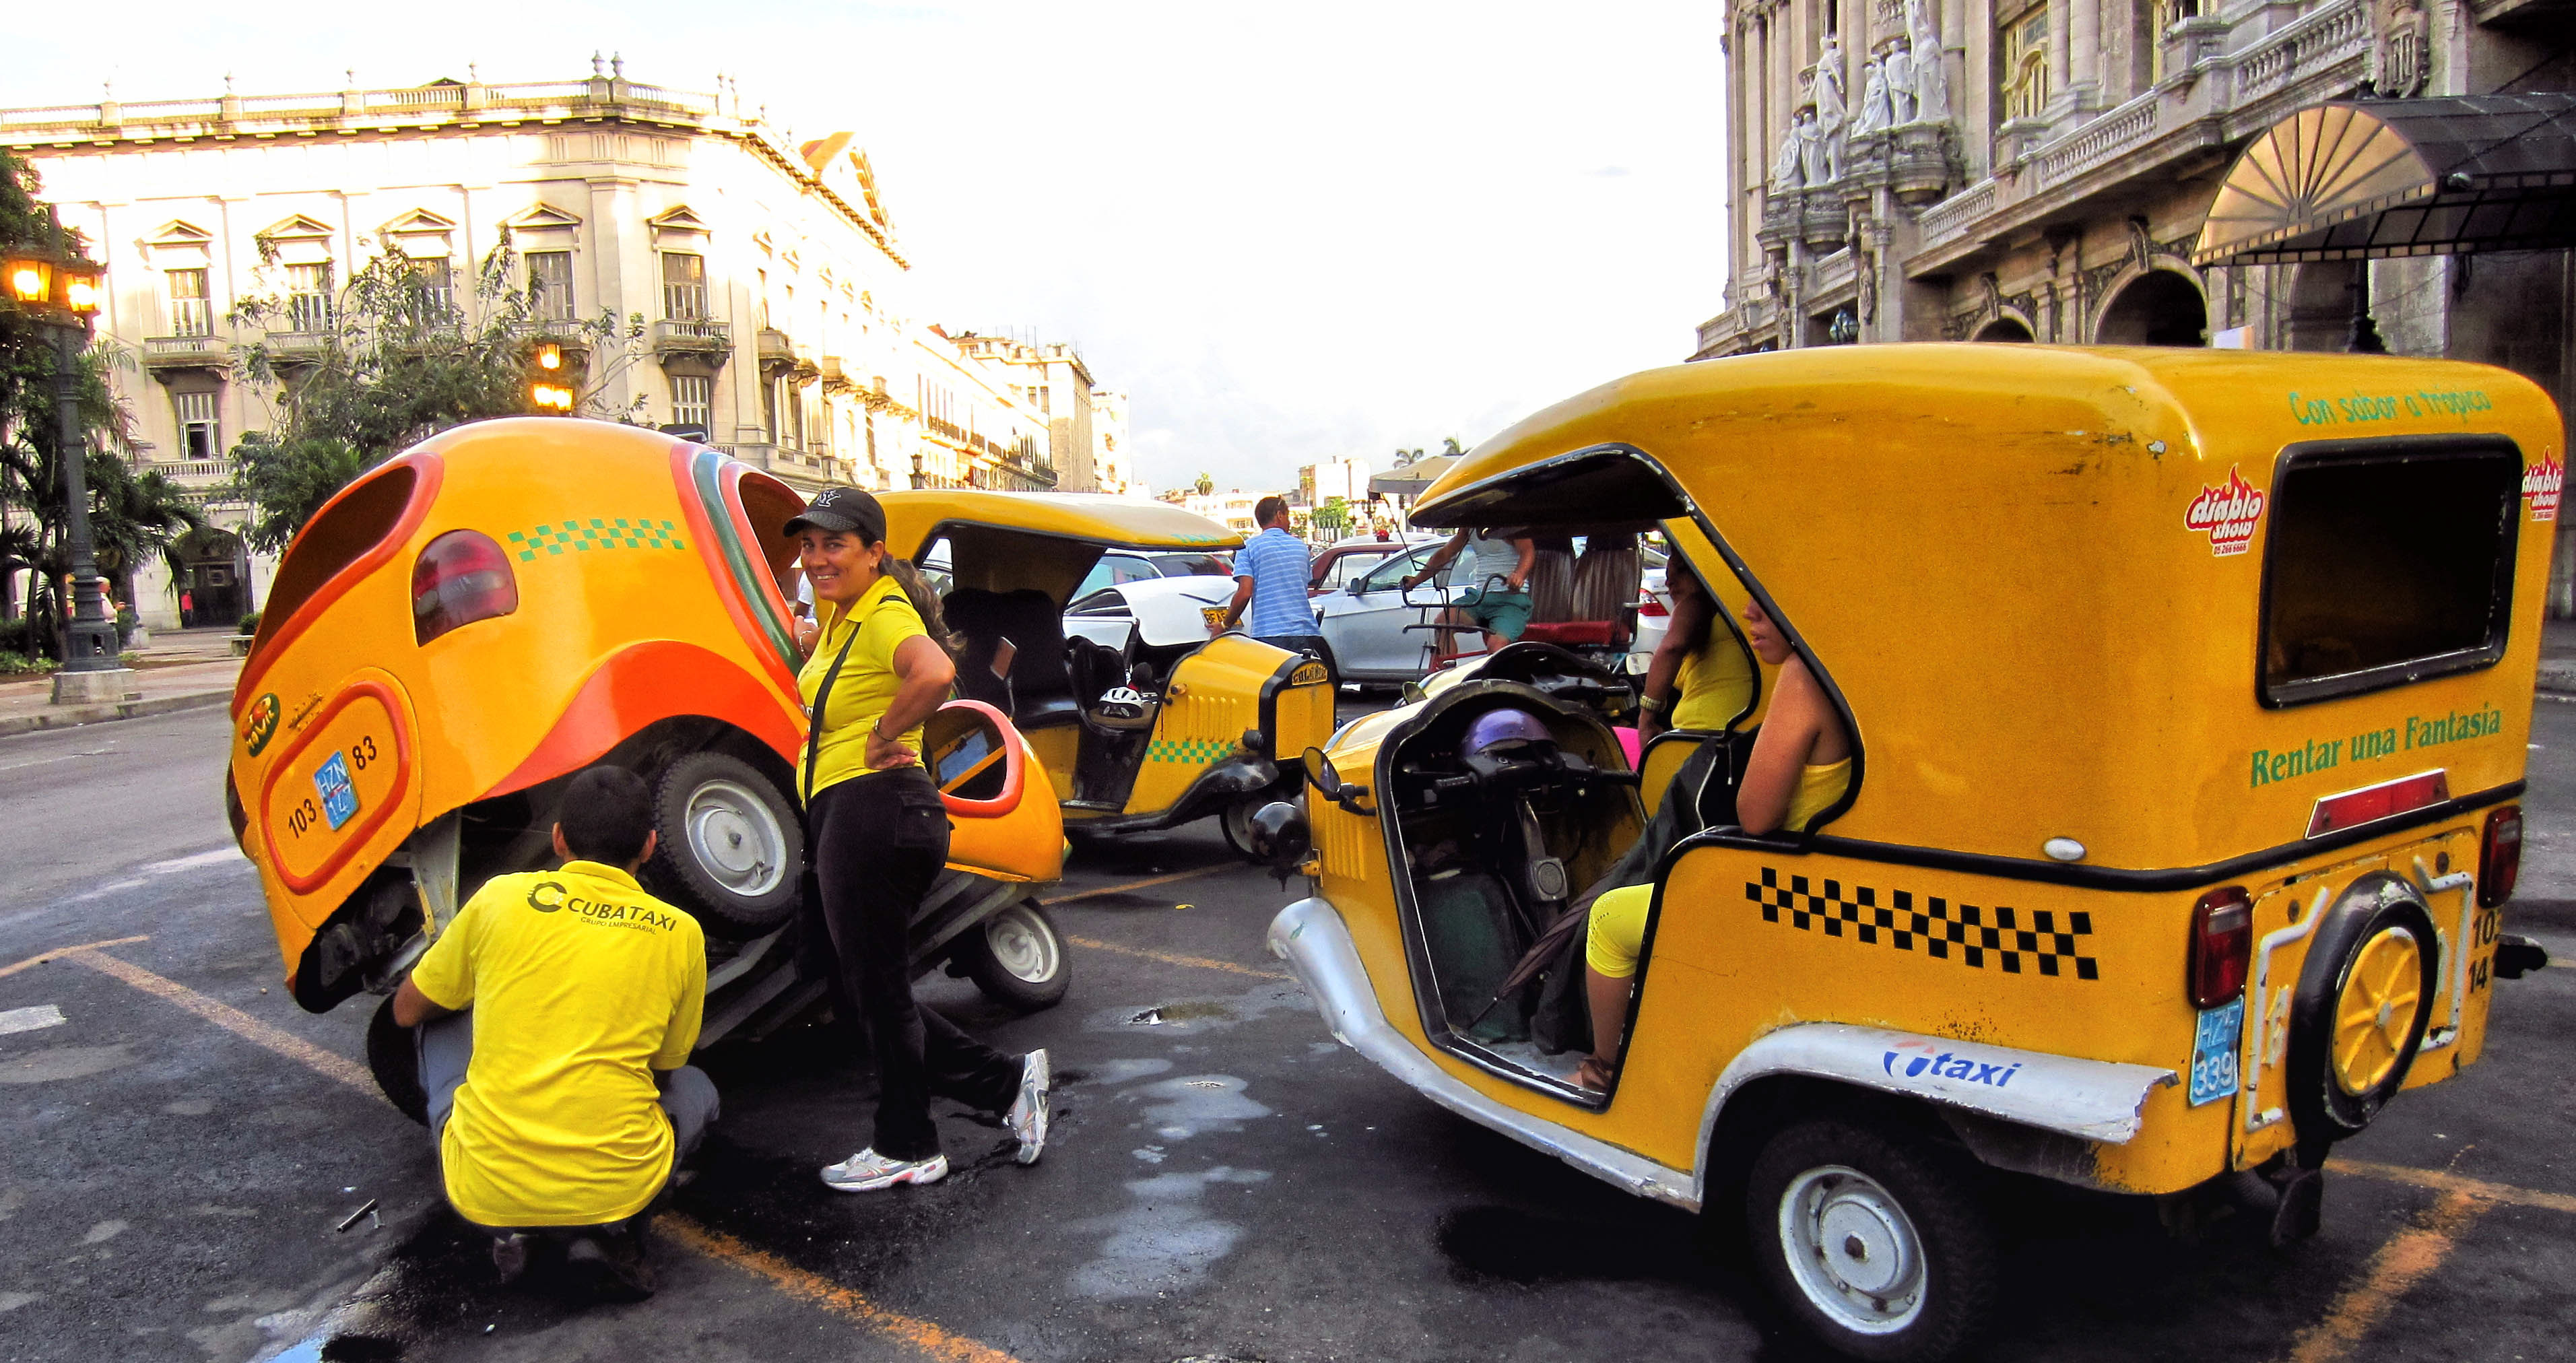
{"x": 846, "y": 510}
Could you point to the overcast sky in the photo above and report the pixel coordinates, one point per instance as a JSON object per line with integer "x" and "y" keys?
{"x": 1290, "y": 233}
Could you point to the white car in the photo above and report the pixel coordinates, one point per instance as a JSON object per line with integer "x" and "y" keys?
{"x": 1144, "y": 616}
{"x": 1367, "y": 624}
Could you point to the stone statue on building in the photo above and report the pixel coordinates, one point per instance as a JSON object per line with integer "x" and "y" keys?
{"x": 1833, "y": 112}
{"x": 1899, "y": 65}
{"x": 1873, "y": 117}
{"x": 1788, "y": 168}
{"x": 1814, "y": 157}
{"x": 1931, "y": 76}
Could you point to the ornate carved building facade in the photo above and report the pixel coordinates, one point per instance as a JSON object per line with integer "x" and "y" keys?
{"x": 2041, "y": 169}
{"x": 778, "y": 320}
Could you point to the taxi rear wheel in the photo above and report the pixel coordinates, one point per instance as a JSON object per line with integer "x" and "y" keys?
{"x": 395, "y": 1062}
{"x": 1236, "y": 820}
{"x": 1873, "y": 1238}
{"x": 730, "y": 845}
{"x": 1017, "y": 958}
{"x": 2365, "y": 998}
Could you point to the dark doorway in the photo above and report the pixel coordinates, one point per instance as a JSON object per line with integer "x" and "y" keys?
{"x": 215, "y": 575}
{"x": 2159, "y": 307}
{"x": 2321, "y": 304}
{"x": 2003, "y": 329}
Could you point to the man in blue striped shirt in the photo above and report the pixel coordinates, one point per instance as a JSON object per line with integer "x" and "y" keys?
{"x": 1271, "y": 574}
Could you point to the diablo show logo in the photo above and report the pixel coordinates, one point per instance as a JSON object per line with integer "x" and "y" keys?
{"x": 2541, "y": 483}
{"x": 2227, "y": 514}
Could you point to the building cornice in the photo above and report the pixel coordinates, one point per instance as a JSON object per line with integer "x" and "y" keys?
{"x": 431, "y": 110}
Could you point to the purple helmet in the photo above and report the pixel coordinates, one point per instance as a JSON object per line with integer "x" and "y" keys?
{"x": 1496, "y": 727}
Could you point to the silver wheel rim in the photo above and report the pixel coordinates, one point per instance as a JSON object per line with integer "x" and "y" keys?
{"x": 1021, "y": 944}
{"x": 1238, "y": 824}
{"x": 1852, "y": 1250}
{"x": 735, "y": 838}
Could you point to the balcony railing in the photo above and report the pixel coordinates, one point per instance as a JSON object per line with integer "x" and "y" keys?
{"x": 192, "y": 470}
{"x": 691, "y": 337}
{"x": 2096, "y": 142}
{"x": 198, "y": 351}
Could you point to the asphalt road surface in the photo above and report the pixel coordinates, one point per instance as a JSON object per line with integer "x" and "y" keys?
{"x": 1225, "y": 1181}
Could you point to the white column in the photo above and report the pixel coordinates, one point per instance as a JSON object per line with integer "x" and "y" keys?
{"x": 2085, "y": 48}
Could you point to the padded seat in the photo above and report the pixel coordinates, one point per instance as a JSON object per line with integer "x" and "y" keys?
{"x": 1569, "y": 634}
{"x": 1038, "y": 692}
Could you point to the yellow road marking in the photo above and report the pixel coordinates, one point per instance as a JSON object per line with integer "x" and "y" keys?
{"x": 795, "y": 1282}
{"x": 1172, "y": 958}
{"x": 1137, "y": 884}
{"x": 2440, "y": 1181}
{"x": 2401, "y": 1263}
{"x": 229, "y": 1018}
{"x": 60, "y": 952}
{"x": 829, "y": 1295}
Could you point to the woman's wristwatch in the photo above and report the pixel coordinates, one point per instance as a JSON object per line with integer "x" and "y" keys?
{"x": 1653, "y": 705}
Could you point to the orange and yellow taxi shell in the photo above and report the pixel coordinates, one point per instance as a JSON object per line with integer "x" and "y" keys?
{"x": 1096, "y": 517}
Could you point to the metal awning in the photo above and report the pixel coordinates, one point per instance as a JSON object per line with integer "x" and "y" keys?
{"x": 2350, "y": 180}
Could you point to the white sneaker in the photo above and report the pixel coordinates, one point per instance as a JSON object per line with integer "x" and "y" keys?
{"x": 867, "y": 1171}
{"x": 1028, "y": 1114}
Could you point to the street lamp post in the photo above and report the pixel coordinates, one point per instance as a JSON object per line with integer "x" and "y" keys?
{"x": 61, "y": 292}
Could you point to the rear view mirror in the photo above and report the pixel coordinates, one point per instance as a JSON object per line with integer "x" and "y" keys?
{"x": 1328, "y": 782}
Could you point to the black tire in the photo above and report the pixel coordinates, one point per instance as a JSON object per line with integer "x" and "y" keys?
{"x": 730, "y": 845}
{"x": 1884, "y": 1192}
{"x": 2373, "y": 908}
{"x": 1017, "y": 958}
{"x": 1236, "y": 820}
{"x": 394, "y": 1059}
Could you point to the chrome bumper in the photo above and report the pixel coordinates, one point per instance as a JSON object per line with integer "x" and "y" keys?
{"x": 1310, "y": 936}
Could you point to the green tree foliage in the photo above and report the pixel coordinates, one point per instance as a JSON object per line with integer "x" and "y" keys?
{"x": 1449, "y": 445}
{"x": 1333, "y": 517}
{"x": 1206, "y": 484}
{"x": 133, "y": 514}
{"x": 396, "y": 357}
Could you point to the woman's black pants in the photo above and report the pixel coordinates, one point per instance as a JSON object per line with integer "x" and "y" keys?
{"x": 878, "y": 842}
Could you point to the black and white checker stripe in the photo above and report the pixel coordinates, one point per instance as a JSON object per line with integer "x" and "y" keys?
{"x": 1945, "y": 931}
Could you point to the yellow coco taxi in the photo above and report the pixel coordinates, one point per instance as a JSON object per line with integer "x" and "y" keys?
{"x": 472, "y": 622}
{"x": 1141, "y": 722}
{"x": 2186, "y": 693}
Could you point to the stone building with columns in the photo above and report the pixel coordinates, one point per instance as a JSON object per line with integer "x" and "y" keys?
{"x": 2019, "y": 170}
{"x": 778, "y": 317}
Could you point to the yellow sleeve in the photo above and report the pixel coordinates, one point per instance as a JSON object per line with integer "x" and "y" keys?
{"x": 445, "y": 974}
{"x": 883, "y": 630}
{"x": 688, "y": 1010}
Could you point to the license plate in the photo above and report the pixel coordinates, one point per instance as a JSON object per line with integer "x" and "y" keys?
{"x": 339, "y": 794}
{"x": 2213, "y": 1051}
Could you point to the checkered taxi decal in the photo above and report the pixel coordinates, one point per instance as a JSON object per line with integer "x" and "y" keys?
{"x": 595, "y": 533}
{"x": 1943, "y": 930}
{"x": 1197, "y": 752}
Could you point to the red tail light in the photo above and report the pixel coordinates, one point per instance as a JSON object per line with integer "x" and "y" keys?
{"x": 2500, "y": 856}
{"x": 2386, "y": 800}
{"x": 1650, "y": 606}
{"x": 461, "y": 577}
{"x": 2222, "y": 941}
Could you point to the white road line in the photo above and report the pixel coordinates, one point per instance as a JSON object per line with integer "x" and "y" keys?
{"x": 34, "y": 1019}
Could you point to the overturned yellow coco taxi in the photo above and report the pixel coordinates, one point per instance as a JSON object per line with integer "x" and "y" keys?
{"x": 1141, "y": 722}
{"x": 2186, "y": 695}
{"x": 468, "y": 625}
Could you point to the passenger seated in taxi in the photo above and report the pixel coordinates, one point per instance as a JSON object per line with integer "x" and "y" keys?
{"x": 1799, "y": 768}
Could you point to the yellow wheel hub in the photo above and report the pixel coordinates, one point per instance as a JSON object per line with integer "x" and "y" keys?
{"x": 2376, "y": 1011}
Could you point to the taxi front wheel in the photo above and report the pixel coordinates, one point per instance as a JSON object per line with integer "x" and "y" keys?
{"x": 1017, "y": 958}
{"x": 393, "y": 1057}
{"x": 1874, "y": 1238}
{"x": 730, "y": 845}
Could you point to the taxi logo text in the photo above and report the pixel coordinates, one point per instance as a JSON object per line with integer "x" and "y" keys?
{"x": 2541, "y": 483}
{"x": 2227, "y": 514}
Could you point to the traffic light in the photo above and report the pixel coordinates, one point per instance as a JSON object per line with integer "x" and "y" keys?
{"x": 548, "y": 390}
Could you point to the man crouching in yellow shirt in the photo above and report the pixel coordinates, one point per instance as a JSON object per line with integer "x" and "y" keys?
{"x": 563, "y": 1101}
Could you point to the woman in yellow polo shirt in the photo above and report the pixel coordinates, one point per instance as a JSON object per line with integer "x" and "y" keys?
{"x": 879, "y": 663}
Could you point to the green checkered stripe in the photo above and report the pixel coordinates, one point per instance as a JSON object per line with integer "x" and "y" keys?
{"x": 595, "y": 533}
{"x": 1198, "y": 752}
